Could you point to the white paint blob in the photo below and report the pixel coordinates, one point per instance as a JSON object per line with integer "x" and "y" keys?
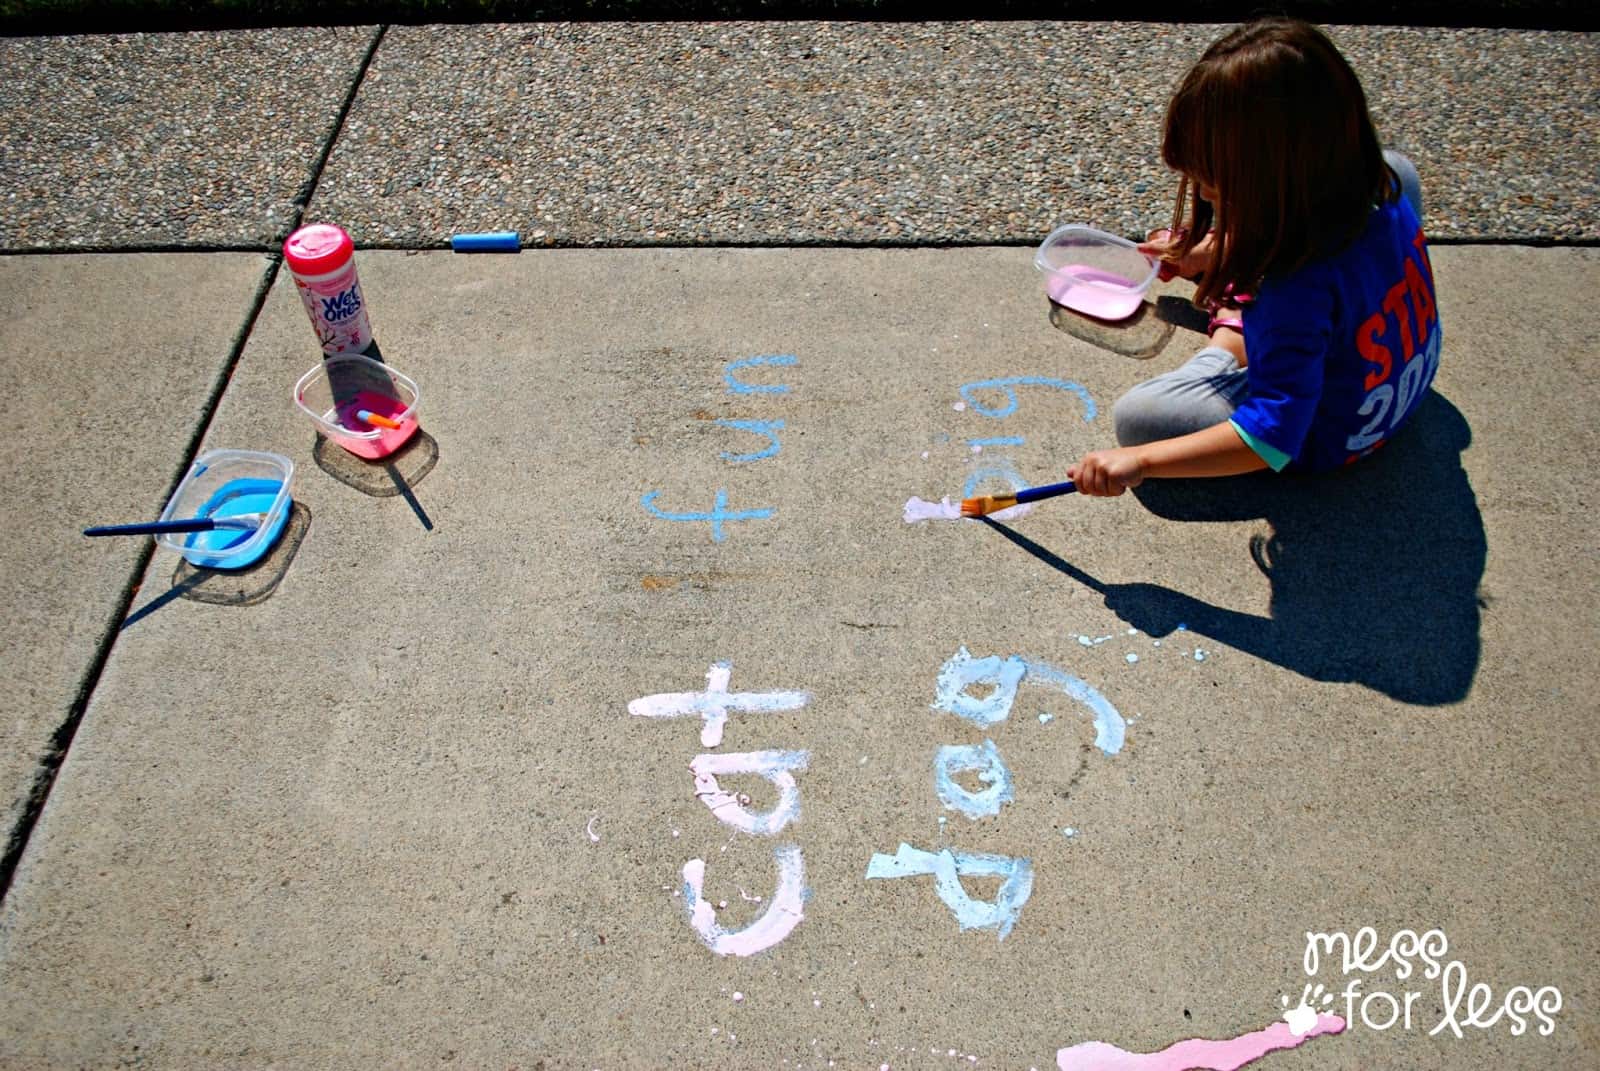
{"x": 1132, "y": 658}
{"x": 917, "y": 510}
{"x": 943, "y": 510}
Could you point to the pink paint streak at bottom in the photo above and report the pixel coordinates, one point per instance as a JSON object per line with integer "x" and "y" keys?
{"x": 1196, "y": 1054}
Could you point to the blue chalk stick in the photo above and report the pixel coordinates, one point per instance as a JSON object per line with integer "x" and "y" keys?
{"x": 490, "y": 242}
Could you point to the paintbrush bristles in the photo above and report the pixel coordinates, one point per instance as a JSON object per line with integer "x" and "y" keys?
{"x": 984, "y": 505}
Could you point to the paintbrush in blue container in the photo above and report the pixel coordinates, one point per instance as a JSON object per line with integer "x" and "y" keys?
{"x": 238, "y": 522}
{"x": 984, "y": 505}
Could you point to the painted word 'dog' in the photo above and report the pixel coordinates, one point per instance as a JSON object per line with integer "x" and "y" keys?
{"x": 1001, "y": 677}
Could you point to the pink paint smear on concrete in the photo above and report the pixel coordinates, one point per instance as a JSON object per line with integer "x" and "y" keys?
{"x": 1196, "y": 1054}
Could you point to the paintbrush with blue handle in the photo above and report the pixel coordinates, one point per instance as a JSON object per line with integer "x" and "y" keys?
{"x": 984, "y": 505}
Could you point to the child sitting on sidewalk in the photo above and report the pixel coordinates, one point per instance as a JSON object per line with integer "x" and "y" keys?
{"x": 1299, "y": 220}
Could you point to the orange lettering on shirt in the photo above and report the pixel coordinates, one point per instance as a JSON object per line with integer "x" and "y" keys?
{"x": 1395, "y": 302}
{"x": 1374, "y": 351}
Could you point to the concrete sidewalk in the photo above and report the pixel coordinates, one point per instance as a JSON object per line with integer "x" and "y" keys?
{"x": 397, "y": 812}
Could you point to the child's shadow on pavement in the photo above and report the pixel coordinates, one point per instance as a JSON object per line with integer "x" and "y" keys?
{"x": 1374, "y": 572}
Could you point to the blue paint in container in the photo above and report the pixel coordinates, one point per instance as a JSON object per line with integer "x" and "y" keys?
{"x": 228, "y": 483}
{"x": 212, "y": 549}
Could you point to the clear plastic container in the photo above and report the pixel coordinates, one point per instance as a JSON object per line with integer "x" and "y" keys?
{"x": 1095, "y": 273}
{"x": 226, "y": 483}
{"x": 338, "y": 390}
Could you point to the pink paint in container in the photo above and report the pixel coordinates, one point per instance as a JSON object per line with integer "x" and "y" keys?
{"x": 1095, "y": 273}
{"x": 322, "y": 261}
{"x": 338, "y": 391}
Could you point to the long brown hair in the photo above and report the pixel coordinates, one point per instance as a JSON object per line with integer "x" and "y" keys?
{"x": 1274, "y": 119}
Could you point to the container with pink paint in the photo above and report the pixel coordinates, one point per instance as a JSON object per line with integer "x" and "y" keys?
{"x": 1095, "y": 273}
{"x": 365, "y": 406}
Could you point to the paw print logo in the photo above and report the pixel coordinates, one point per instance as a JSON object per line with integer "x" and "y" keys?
{"x": 1303, "y": 1017}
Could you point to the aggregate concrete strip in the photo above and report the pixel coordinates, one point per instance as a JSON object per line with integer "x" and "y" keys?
{"x": 774, "y": 133}
{"x": 354, "y": 825}
{"x": 108, "y": 363}
{"x": 165, "y": 139}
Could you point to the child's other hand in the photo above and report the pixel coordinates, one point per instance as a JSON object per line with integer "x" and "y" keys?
{"x": 1160, "y": 245}
{"x": 1107, "y": 472}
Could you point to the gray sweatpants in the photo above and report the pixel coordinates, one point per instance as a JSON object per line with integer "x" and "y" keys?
{"x": 1207, "y": 389}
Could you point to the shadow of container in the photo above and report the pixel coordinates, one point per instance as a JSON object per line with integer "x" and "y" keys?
{"x": 385, "y": 477}
{"x": 253, "y": 584}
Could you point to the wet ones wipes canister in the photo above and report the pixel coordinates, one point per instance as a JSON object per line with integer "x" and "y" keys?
{"x": 322, "y": 260}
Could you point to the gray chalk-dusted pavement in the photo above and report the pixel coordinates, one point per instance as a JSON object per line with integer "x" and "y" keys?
{"x": 444, "y": 782}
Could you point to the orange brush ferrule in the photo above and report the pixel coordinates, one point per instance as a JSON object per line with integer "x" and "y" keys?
{"x": 369, "y": 417}
{"x": 984, "y": 505}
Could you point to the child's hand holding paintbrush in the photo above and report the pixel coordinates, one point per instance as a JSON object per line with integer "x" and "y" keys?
{"x": 1214, "y": 451}
{"x": 1108, "y": 472}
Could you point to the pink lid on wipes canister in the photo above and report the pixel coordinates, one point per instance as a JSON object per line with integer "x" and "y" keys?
{"x": 318, "y": 249}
